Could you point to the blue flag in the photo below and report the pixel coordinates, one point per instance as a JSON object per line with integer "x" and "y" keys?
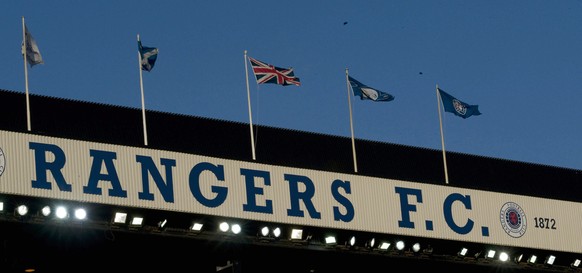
{"x": 148, "y": 56}
{"x": 30, "y": 48}
{"x": 457, "y": 107}
{"x": 368, "y": 93}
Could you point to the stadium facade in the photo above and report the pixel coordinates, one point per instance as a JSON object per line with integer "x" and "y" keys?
{"x": 89, "y": 155}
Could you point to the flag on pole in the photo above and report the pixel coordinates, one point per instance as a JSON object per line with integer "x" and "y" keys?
{"x": 457, "y": 107}
{"x": 30, "y": 48}
{"x": 368, "y": 93}
{"x": 148, "y": 56}
{"x": 266, "y": 73}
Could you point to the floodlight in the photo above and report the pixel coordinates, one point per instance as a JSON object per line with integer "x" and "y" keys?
{"x": 416, "y": 247}
{"x": 575, "y": 263}
{"x": 384, "y": 246}
{"x": 80, "y": 214}
{"x": 490, "y": 254}
{"x": 276, "y": 232}
{"x": 550, "y": 260}
{"x": 330, "y": 240}
{"x": 136, "y": 221}
{"x": 21, "y": 210}
{"x": 296, "y": 234}
{"x": 503, "y": 256}
{"x": 371, "y": 243}
{"x": 162, "y": 224}
{"x": 352, "y": 241}
{"x": 119, "y": 218}
{"x": 264, "y": 231}
{"x": 236, "y": 228}
{"x": 1, "y": 206}
{"x": 61, "y": 212}
{"x": 46, "y": 211}
{"x": 196, "y": 226}
{"x": 532, "y": 259}
{"x": 518, "y": 258}
{"x": 224, "y": 226}
{"x": 462, "y": 252}
{"x": 400, "y": 245}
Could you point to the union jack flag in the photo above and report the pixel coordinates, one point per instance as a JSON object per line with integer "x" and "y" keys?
{"x": 266, "y": 73}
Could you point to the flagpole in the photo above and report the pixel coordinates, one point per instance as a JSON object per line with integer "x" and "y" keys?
{"x": 145, "y": 134}
{"x": 442, "y": 137}
{"x": 25, "y": 74}
{"x": 249, "y": 102}
{"x": 351, "y": 123}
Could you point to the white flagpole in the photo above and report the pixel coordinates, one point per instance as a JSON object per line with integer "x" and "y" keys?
{"x": 442, "y": 136}
{"x": 249, "y": 102}
{"x": 145, "y": 134}
{"x": 351, "y": 123}
{"x": 25, "y": 74}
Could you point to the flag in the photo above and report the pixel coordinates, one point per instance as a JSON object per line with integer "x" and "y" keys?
{"x": 148, "y": 56}
{"x": 30, "y": 48}
{"x": 368, "y": 93}
{"x": 266, "y": 73}
{"x": 457, "y": 107}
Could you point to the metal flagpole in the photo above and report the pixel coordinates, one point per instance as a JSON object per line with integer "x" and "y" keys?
{"x": 25, "y": 74}
{"x": 249, "y": 102}
{"x": 442, "y": 137}
{"x": 145, "y": 134}
{"x": 351, "y": 123}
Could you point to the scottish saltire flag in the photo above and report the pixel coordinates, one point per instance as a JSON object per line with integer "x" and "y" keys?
{"x": 266, "y": 73}
{"x": 30, "y": 48}
{"x": 457, "y": 107}
{"x": 368, "y": 93}
{"x": 148, "y": 56}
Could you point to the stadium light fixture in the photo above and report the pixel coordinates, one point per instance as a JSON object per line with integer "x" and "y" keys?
{"x": 532, "y": 259}
{"x": 119, "y": 218}
{"x": 490, "y": 254}
{"x": 21, "y": 210}
{"x": 196, "y": 227}
{"x": 400, "y": 245}
{"x": 384, "y": 246}
{"x": 162, "y": 224}
{"x": 517, "y": 259}
{"x": 370, "y": 244}
{"x": 330, "y": 241}
{"x": 296, "y": 234}
{"x": 463, "y": 252}
{"x": 352, "y": 241}
{"x": 236, "y": 228}
{"x": 550, "y": 260}
{"x": 46, "y": 211}
{"x": 266, "y": 234}
{"x": 276, "y": 232}
{"x": 136, "y": 222}
{"x": 61, "y": 212}
{"x": 416, "y": 247}
{"x": 80, "y": 214}
{"x": 575, "y": 263}
{"x": 223, "y": 226}
{"x": 503, "y": 256}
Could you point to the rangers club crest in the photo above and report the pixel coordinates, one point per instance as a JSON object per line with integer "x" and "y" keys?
{"x": 459, "y": 107}
{"x": 513, "y": 220}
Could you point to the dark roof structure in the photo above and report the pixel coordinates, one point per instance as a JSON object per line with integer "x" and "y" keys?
{"x": 114, "y": 251}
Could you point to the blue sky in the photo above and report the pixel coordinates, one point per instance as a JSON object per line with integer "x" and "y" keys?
{"x": 520, "y": 61}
